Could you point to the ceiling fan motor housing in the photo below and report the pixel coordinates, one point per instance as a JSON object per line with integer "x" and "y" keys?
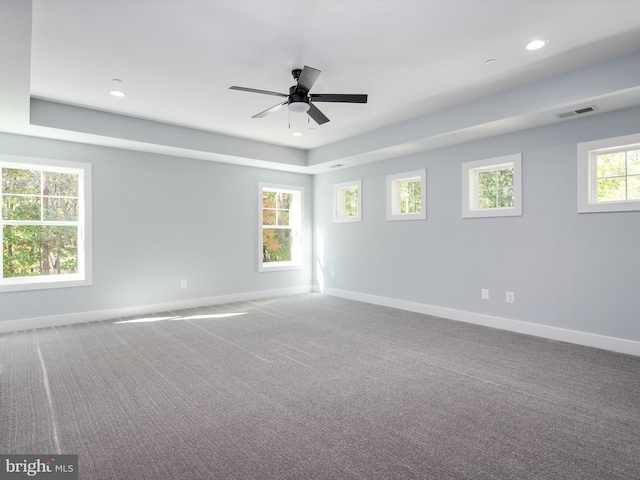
{"x": 298, "y": 96}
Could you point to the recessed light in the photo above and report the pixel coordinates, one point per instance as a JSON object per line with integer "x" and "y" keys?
{"x": 536, "y": 44}
{"x": 116, "y": 88}
{"x": 491, "y": 61}
{"x": 296, "y": 134}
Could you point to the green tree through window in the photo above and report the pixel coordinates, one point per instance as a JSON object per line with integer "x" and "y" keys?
{"x": 411, "y": 196}
{"x": 351, "y": 202}
{"x": 281, "y": 225}
{"x": 40, "y": 221}
{"x": 276, "y": 234}
{"x": 618, "y": 176}
{"x": 495, "y": 188}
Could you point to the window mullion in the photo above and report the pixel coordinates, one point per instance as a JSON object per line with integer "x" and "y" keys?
{"x": 626, "y": 175}
{"x": 48, "y": 223}
{"x": 1, "y": 226}
{"x": 475, "y": 189}
{"x": 41, "y": 195}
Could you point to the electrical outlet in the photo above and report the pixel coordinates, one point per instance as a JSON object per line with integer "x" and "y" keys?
{"x": 485, "y": 294}
{"x": 510, "y": 297}
{"x": 183, "y": 283}
{"x": 333, "y": 274}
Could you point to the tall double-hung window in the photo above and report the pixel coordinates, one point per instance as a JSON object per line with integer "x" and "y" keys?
{"x": 280, "y": 244}
{"x": 45, "y": 224}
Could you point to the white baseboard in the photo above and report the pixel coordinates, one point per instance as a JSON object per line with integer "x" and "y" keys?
{"x": 113, "y": 313}
{"x": 545, "y": 331}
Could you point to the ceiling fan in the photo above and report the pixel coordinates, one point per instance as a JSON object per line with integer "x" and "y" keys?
{"x": 300, "y": 100}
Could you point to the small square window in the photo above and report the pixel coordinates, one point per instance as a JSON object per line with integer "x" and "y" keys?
{"x": 347, "y": 201}
{"x": 406, "y": 196}
{"x": 492, "y": 187}
{"x": 609, "y": 175}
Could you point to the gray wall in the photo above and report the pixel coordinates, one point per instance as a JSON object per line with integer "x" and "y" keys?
{"x": 158, "y": 219}
{"x": 569, "y": 270}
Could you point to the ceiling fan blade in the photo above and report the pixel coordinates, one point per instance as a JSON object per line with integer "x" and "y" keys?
{"x": 269, "y": 111}
{"x": 266, "y": 92}
{"x": 307, "y": 78}
{"x": 317, "y": 115}
{"x": 338, "y": 97}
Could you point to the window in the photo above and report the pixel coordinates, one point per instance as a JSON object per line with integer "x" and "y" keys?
{"x": 280, "y": 245}
{"x": 492, "y": 187}
{"x": 609, "y": 175}
{"x": 406, "y": 196}
{"x": 46, "y": 234}
{"x": 347, "y": 201}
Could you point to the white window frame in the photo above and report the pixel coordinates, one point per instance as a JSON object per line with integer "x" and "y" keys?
{"x": 587, "y": 174}
{"x": 296, "y": 215}
{"x": 470, "y": 176}
{"x": 339, "y": 201}
{"x": 85, "y": 273}
{"x": 393, "y": 195}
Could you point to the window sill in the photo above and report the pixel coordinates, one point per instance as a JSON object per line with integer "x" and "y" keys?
{"x": 493, "y": 212}
{"x": 279, "y": 266}
{"x": 22, "y": 284}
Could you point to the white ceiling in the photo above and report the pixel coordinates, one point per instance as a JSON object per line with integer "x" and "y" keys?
{"x": 177, "y": 59}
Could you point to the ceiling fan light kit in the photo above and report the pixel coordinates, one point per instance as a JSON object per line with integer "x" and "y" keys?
{"x": 299, "y": 100}
{"x": 299, "y": 107}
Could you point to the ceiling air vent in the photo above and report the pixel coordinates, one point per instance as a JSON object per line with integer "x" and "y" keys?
{"x": 578, "y": 111}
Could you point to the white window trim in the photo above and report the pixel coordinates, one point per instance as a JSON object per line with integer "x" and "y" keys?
{"x": 297, "y": 243}
{"x": 393, "y": 196}
{"x": 339, "y": 205}
{"x": 587, "y": 181}
{"x": 470, "y": 171}
{"x": 84, "y": 276}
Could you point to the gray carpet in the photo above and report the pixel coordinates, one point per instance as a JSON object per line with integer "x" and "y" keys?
{"x": 315, "y": 387}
